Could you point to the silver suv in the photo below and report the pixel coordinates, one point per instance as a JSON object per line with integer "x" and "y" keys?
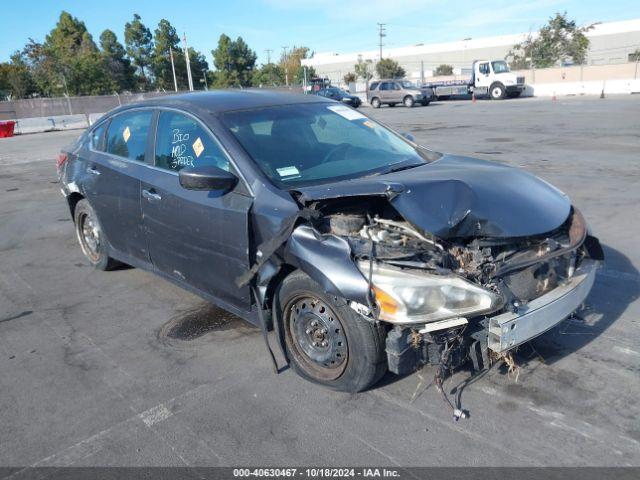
{"x": 393, "y": 92}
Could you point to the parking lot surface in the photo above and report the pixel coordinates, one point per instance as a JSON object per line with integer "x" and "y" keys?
{"x": 123, "y": 368}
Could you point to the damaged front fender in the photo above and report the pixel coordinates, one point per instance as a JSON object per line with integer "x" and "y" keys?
{"x": 327, "y": 260}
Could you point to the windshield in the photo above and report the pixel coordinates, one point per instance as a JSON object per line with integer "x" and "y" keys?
{"x": 307, "y": 144}
{"x": 500, "y": 66}
{"x": 408, "y": 84}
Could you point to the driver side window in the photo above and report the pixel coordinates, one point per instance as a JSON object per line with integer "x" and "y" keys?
{"x": 484, "y": 68}
{"x": 182, "y": 142}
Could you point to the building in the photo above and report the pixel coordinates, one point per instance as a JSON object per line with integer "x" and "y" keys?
{"x": 610, "y": 43}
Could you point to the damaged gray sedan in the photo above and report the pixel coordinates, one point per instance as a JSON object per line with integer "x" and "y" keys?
{"x": 363, "y": 250}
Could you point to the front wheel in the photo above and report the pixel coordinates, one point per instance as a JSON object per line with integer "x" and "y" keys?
{"x": 91, "y": 237}
{"x": 497, "y": 91}
{"x": 408, "y": 101}
{"x": 326, "y": 341}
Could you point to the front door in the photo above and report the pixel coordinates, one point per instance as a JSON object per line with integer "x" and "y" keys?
{"x": 115, "y": 163}
{"x": 196, "y": 237}
{"x": 483, "y": 76}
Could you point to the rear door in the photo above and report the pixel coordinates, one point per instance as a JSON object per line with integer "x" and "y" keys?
{"x": 196, "y": 237}
{"x": 386, "y": 92}
{"x": 113, "y": 170}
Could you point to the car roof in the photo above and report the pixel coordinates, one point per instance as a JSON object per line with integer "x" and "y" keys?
{"x": 218, "y": 101}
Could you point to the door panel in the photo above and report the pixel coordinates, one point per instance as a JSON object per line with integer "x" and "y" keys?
{"x": 197, "y": 237}
{"x": 112, "y": 182}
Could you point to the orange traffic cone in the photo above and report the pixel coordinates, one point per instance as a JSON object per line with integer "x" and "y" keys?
{"x": 473, "y": 98}
{"x": 553, "y": 99}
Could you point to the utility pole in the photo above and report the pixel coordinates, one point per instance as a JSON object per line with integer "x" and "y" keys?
{"x": 186, "y": 56}
{"x": 381, "y": 34}
{"x": 286, "y": 70}
{"x": 173, "y": 69}
{"x": 268, "y": 50}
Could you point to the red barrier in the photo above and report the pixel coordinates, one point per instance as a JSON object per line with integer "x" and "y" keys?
{"x": 6, "y": 129}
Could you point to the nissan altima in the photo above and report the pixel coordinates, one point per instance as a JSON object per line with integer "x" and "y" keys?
{"x": 363, "y": 250}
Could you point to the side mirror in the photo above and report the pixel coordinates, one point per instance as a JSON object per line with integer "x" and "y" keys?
{"x": 409, "y": 137}
{"x": 207, "y": 178}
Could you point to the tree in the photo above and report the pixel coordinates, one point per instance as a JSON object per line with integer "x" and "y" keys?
{"x": 165, "y": 38}
{"x": 199, "y": 69}
{"x": 388, "y": 68}
{"x": 559, "y": 42}
{"x": 291, "y": 63}
{"x": 15, "y": 77}
{"x": 268, "y": 74}
{"x": 443, "y": 70}
{"x": 234, "y": 62}
{"x": 70, "y": 61}
{"x": 137, "y": 40}
{"x": 349, "y": 77}
{"x": 119, "y": 67}
{"x": 363, "y": 69}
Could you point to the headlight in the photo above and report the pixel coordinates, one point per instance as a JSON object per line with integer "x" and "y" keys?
{"x": 404, "y": 296}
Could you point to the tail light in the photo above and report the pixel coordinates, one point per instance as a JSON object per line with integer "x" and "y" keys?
{"x": 62, "y": 158}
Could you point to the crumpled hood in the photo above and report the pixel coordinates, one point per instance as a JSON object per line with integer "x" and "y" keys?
{"x": 462, "y": 197}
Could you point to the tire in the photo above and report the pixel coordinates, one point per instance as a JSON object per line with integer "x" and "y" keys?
{"x": 375, "y": 102}
{"x": 513, "y": 94}
{"x": 497, "y": 91}
{"x": 326, "y": 341}
{"x": 91, "y": 238}
{"x": 408, "y": 101}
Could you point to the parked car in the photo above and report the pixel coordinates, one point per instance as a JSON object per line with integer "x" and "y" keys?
{"x": 364, "y": 250}
{"x": 393, "y": 92}
{"x": 340, "y": 95}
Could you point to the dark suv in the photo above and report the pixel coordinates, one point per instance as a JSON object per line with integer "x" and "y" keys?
{"x": 364, "y": 250}
{"x": 393, "y": 92}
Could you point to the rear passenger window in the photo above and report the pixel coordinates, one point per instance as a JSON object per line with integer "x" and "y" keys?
{"x": 127, "y": 135}
{"x": 182, "y": 142}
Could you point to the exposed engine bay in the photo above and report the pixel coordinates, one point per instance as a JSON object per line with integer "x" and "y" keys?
{"x": 516, "y": 270}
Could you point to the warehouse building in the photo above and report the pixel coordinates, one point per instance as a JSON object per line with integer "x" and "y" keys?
{"x": 610, "y": 43}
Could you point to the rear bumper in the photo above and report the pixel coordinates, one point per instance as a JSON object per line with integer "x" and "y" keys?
{"x": 509, "y": 330}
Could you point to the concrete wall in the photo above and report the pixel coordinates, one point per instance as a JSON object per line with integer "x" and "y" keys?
{"x": 45, "y": 107}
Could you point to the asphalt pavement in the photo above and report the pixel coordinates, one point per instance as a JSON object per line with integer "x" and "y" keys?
{"x": 122, "y": 368}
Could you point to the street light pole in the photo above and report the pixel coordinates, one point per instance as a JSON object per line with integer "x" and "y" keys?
{"x": 173, "y": 69}
{"x": 186, "y": 56}
{"x": 286, "y": 69}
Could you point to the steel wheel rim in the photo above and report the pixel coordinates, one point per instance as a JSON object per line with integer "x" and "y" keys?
{"x": 89, "y": 236}
{"x": 496, "y": 92}
{"x": 317, "y": 337}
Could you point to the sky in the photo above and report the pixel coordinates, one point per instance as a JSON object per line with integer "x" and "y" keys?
{"x": 339, "y": 26}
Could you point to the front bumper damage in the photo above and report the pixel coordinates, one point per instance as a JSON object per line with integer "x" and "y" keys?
{"x": 509, "y": 330}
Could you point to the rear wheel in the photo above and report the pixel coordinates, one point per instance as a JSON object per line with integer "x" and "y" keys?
{"x": 375, "y": 102}
{"x": 408, "y": 101}
{"x": 327, "y": 342}
{"x": 91, "y": 238}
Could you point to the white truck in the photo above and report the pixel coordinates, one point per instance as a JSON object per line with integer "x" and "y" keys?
{"x": 491, "y": 78}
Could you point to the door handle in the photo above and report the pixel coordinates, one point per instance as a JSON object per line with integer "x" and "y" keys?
{"x": 151, "y": 195}
{"x": 93, "y": 170}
